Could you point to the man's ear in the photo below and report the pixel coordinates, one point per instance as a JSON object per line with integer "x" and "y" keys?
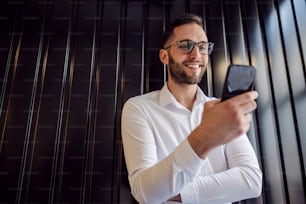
{"x": 163, "y": 56}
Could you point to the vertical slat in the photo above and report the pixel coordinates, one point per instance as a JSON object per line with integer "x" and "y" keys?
{"x": 40, "y": 181}
{"x": 119, "y": 189}
{"x": 220, "y": 56}
{"x": 75, "y": 160}
{"x": 31, "y": 144}
{"x": 6, "y": 55}
{"x": 29, "y": 69}
{"x": 86, "y": 61}
{"x": 133, "y": 70}
{"x": 296, "y": 78}
{"x": 155, "y": 69}
{"x": 299, "y": 7}
{"x": 133, "y": 49}
{"x": 282, "y": 103}
{"x": 89, "y": 140}
{"x": 8, "y": 41}
{"x": 61, "y": 130}
{"x": 234, "y": 32}
{"x": 103, "y": 187}
{"x": 266, "y": 132}
{"x": 299, "y": 15}
{"x": 11, "y": 14}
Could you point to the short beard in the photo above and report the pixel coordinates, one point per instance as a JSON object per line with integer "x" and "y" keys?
{"x": 179, "y": 75}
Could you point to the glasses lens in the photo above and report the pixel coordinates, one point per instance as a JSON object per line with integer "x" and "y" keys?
{"x": 203, "y": 47}
{"x": 185, "y": 46}
{"x": 210, "y": 48}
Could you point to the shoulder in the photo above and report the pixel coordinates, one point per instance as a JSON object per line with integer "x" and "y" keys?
{"x": 147, "y": 97}
{"x": 141, "y": 101}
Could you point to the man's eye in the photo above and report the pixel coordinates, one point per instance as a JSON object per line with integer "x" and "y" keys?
{"x": 203, "y": 47}
{"x": 184, "y": 45}
{"x": 187, "y": 46}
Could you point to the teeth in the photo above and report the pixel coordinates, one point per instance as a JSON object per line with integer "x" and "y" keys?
{"x": 193, "y": 65}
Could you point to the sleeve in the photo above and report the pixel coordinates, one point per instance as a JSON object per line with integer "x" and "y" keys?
{"x": 154, "y": 181}
{"x": 242, "y": 180}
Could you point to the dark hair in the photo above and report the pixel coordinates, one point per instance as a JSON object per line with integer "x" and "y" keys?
{"x": 185, "y": 18}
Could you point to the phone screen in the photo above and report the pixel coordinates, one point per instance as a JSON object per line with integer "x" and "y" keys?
{"x": 239, "y": 79}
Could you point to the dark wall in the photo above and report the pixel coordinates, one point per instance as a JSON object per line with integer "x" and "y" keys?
{"x": 67, "y": 67}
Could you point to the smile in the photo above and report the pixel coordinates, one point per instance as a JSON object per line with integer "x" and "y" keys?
{"x": 194, "y": 66}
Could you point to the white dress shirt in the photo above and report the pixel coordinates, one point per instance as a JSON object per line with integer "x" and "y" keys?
{"x": 162, "y": 164}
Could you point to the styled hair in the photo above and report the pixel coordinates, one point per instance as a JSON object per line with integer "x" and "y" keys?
{"x": 186, "y": 18}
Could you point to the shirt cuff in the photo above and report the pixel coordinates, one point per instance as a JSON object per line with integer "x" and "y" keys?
{"x": 188, "y": 194}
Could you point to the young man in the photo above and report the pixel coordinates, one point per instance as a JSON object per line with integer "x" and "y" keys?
{"x": 179, "y": 144}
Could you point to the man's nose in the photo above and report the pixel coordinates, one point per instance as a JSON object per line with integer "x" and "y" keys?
{"x": 195, "y": 52}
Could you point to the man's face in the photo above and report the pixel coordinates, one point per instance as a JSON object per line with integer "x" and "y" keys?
{"x": 186, "y": 72}
{"x": 187, "y": 68}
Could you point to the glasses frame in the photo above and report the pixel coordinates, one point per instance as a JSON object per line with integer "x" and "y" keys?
{"x": 209, "y": 44}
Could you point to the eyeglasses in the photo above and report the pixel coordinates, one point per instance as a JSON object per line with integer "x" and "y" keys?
{"x": 186, "y": 46}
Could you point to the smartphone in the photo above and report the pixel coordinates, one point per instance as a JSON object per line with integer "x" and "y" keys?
{"x": 239, "y": 79}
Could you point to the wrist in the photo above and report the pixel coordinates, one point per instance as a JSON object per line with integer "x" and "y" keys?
{"x": 198, "y": 143}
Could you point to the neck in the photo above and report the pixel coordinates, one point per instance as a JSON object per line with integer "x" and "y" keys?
{"x": 185, "y": 94}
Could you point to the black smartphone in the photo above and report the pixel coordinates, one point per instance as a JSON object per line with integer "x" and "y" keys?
{"x": 239, "y": 79}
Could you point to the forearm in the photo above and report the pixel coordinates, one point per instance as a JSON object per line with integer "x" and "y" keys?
{"x": 241, "y": 180}
{"x": 166, "y": 178}
{"x": 228, "y": 186}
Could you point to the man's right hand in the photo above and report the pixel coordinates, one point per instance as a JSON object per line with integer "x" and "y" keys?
{"x": 222, "y": 122}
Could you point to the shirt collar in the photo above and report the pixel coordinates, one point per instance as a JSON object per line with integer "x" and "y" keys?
{"x": 167, "y": 98}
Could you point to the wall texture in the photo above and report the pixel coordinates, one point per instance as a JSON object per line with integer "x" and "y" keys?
{"x": 67, "y": 67}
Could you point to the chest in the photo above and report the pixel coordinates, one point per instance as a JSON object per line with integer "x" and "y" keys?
{"x": 171, "y": 126}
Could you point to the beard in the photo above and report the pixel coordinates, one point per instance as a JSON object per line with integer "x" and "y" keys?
{"x": 179, "y": 74}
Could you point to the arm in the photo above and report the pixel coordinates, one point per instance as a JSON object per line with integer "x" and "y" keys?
{"x": 223, "y": 123}
{"x": 242, "y": 180}
{"x": 154, "y": 181}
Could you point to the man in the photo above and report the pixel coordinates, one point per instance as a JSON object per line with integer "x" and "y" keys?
{"x": 181, "y": 145}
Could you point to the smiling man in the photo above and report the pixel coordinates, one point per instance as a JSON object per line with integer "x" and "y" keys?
{"x": 179, "y": 144}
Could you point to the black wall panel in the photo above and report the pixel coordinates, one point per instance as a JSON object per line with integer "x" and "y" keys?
{"x": 67, "y": 67}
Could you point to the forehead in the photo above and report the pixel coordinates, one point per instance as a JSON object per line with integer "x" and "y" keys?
{"x": 192, "y": 32}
